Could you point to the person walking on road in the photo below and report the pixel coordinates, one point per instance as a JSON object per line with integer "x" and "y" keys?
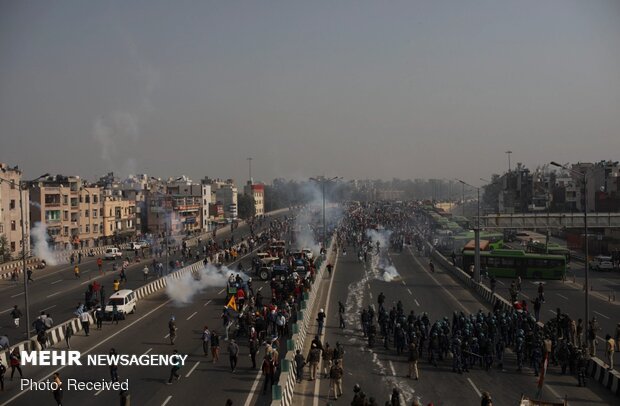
{"x": 206, "y": 340}
{"x": 253, "y": 344}
{"x": 85, "y": 320}
{"x": 328, "y": 357}
{"x": 29, "y": 275}
{"x": 321, "y": 321}
{"x": 76, "y": 272}
{"x": 486, "y": 399}
{"x": 215, "y": 346}
{"x": 113, "y": 367}
{"x": 176, "y": 366}
{"x": 314, "y": 356}
{"x": 2, "y": 372}
{"x": 541, "y": 292}
{"x": 431, "y": 266}
{"x": 16, "y": 314}
{"x": 269, "y": 370}
{"x": 57, "y": 391}
{"x": 335, "y": 380}
{"x": 100, "y": 265}
{"x": 233, "y": 354}
{"x": 145, "y": 272}
{"x": 413, "y": 361}
{"x": 172, "y": 329}
{"x": 15, "y": 360}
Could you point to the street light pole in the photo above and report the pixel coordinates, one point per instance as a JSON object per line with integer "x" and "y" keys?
{"x": 476, "y": 275}
{"x": 584, "y": 180}
{"x": 22, "y": 185}
{"x": 323, "y": 181}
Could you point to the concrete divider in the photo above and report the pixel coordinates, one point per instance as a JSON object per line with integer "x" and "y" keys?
{"x": 282, "y": 392}
{"x": 609, "y": 378}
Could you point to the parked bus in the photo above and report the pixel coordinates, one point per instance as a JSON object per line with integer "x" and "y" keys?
{"x": 538, "y": 247}
{"x": 513, "y": 263}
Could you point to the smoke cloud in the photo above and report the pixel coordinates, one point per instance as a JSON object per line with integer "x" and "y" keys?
{"x": 183, "y": 290}
{"x": 381, "y": 262}
{"x": 41, "y": 248}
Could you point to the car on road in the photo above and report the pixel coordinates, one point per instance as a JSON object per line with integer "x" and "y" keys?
{"x": 137, "y": 245}
{"x": 125, "y": 301}
{"x": 112, "y": 253}
{"x": 602, "y": 263}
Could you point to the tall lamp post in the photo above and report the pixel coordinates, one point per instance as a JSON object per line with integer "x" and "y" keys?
{"x": 323, "y": 181}
{"x": 476, "y": 275}
{"x": 584, "y": 179}
{"x": 22, "y": 185}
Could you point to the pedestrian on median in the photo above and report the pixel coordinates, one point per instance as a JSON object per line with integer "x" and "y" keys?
{"x": 58, "y": 391}
{"x": 85, "y": 320}
{"x": 176, "y": 366}
{"x": 233, "y": 354}
{"x": 299, "y": 365}
{"x": 609, "y": 350}
{"x": 68, "y": 334}
{"x": 335, "y": 383}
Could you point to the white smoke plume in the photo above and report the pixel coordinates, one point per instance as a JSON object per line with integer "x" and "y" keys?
{"x": 41, "y": 248}
{"x": 381, "y": 262}
{"x": 183, "y": 290}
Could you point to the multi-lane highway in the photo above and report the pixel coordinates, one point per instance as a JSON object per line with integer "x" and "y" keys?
{"x": 378, "y": 370}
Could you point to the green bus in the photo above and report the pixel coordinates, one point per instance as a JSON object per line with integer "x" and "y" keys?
{"x": 513, "y": 263}
{"x": 551, "y": 248}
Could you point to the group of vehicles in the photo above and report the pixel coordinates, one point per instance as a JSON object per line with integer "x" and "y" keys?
{"x": 269, "y": 266}
{"x": 115, "y": 252}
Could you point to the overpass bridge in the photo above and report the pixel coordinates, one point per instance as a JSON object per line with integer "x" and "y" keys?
{"x": 550, "y": 220}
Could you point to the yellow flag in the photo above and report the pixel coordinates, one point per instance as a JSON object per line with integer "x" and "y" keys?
{"x": 232, "y": 303}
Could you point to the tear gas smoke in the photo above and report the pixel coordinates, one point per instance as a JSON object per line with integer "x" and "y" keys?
{"x": 41, "y": 248}
{"x": 183, "y": 290}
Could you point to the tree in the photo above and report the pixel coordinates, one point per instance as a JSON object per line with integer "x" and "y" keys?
{"x": 245, "y": 206}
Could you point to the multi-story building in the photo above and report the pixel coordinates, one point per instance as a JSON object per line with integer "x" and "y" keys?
{"x": 119, "y": 217}
{"x": 90, "y": 219}
{"x": 10, "y": 213}
{"x": 225, "y": 194}
{"x": 257, "y": 191}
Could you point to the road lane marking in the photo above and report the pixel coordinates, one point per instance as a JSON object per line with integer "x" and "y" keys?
{"x": 392, "y": 368}
{"x": 368, "y": 284}
{"x": 410, "y": 292}
{"x": 49, "y": 307}
{"x": 192, "y": 370}
{"x": 404, "y": 284}
{"x": 98, "y": 392}
{"x": 167, "y": 335}
{"x": 167, "y": 400}
{"x": 19, "y": 294}
{"x": 563, "y": 297}
{"x": 416, "y": 302}
{"x": 601, "y": 314}
{"x": 192, "y": 315}
{"x": 54, "y": 294}
{"x": 55, "y": 282}
{"x": 220, "y": 292}
{"x": 475, "y": 388}
{"x": 108, "y": 338}
{"x": 7, "y": 310}
{"x": 147, "y": 351}
{"x": 500, "y": 282}
{"x": 329, "y": 295}
{"x": 208, "y": 301}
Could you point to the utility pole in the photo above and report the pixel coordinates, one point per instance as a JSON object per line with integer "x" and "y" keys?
{"x": 250, "y": 168}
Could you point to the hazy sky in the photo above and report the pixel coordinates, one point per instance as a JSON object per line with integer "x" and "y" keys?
{"x": 357, "y": 89}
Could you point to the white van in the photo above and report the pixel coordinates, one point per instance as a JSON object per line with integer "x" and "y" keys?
{"x": 125, "y": 301}
{"x": 602, "y": 263}
{"x": 112, "y": 253}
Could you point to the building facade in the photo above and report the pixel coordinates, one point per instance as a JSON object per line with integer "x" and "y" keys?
{"x": 11, "y": 218}
{"x": 257, "y": 191}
